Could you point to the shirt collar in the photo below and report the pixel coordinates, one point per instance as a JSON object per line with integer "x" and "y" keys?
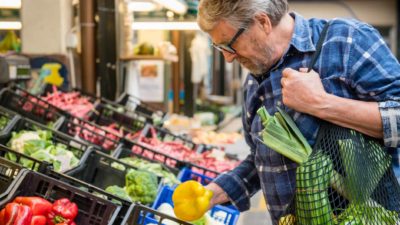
{"x": 301, "y": 38}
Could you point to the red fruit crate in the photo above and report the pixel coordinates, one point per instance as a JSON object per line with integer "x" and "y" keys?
{"x": 30, "y": 106}
{"x": 105, "y": 138}
{"x": 132, "y": 148}
{"x": 155, "y": 133}
{"x": 92, "y": 209}
{"x": 106, "y": 114}
{"x": 123, "y": 217}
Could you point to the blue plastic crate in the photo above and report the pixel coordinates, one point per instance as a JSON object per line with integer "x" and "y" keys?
{"x": 224, "y": 214}
{"x": 186, "y": 174}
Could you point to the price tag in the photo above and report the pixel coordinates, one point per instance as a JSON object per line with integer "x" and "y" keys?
{"x": 13, "y": 72}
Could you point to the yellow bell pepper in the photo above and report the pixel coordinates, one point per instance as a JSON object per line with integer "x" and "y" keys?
{"x": 191, "y": 200}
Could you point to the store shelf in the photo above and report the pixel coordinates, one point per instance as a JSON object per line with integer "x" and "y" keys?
{"x": 149, "y": 57}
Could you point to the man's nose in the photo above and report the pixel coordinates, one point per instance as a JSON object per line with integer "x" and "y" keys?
{"x": 229, "y": 57}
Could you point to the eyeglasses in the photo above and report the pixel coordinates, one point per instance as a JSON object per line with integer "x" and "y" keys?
{"x": 228, "y": 47}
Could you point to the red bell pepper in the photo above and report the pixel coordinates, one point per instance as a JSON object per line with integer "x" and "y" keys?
{"x": 63, "y": 211}
{"x": 38, "y": 205}
{"x": 38, "y": 220}
{"x": 16, "y": 214}
{"x": 2, "y": 212}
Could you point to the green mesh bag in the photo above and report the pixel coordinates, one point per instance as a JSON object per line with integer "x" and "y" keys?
{"x": 345, "y": 179}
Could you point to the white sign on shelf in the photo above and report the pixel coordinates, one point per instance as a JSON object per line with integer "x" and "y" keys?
{"x": 151, "y": 80}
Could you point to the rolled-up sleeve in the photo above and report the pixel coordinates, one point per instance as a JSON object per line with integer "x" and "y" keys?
{"x": 390, "y": 114}
{"x": 375, "y": 76}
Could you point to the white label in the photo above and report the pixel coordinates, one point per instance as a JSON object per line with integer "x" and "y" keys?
{"x": 13, "y": 72}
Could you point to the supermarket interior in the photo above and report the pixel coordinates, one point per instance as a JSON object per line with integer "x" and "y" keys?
{"x": 199, "y": 112}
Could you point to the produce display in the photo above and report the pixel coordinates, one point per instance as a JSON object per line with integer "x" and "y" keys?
{"x": 140, "y": 186}
{"x": 3, "y": 121}
{"x": 215, "y": 138}
{"x": 39, "y": 145}
{"x": 104, "y": 136}
{"x": 209, "y": 159}
{"x": 156, "y": 168}
{"x": 71, "y": 102}
{"x": 38, "y": 211}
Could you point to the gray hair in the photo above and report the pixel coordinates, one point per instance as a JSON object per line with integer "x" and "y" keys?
{"x": 238, "y": 13}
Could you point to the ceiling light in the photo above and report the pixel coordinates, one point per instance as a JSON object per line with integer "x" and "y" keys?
{"x": 11, "y": 25}
{"x": 141, "y": 6}
{"x": 165, "y": 26}
{"x": 174, "y": 5}
{"x": 10, "y": 4}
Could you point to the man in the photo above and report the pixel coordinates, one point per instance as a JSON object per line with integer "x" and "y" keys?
{"x": 355, "y": 83}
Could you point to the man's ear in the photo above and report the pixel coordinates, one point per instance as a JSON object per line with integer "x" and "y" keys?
{"x": 264, "y": 22}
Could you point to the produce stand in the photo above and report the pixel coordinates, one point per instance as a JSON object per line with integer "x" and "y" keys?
{"x": 92, "y": 209}
{"x": 30, "y": 106}
{"x": 105, "y": 139}
{"x": 59, "y": 140}
{"x": 149, "y": 153}
{"x": 103, "y": 129}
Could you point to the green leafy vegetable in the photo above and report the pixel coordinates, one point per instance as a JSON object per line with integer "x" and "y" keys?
{"x": 141, "y": 186}
{"x": 3, "y": 122}
{"x": 156, "y": 168}
{"x": 39, "y": 145}
{"x": 118, "y": 191}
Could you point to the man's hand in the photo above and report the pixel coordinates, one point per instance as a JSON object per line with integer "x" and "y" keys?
{"x": 219, "y": 195}
{"x": 302, "y": 91}
{"x": 305, "y": 93}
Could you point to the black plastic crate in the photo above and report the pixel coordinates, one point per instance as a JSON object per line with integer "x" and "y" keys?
{"x": 106, "y": 114}
{"x": 92, "y": 209}
{"x": 133, "y": 103}
{"x": 144, "y": 215}
{"x": 35, "y": 165}
{"x": 30, "y": 106}
{"x": 79, "y": 149}
{"x": 102, "y": 171}
{"x": 92, "y": 133}
{"x": 123, "y": 217}
{"x": 9, "y": 173}
{"x": 131, "y": 148}
{"x": 133, "y": 119}
{"x": 10, "y": 117}
{"x": 164, "y": 135}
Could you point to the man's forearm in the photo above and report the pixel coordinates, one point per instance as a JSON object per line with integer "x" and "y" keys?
{"x": 358, "y": 115}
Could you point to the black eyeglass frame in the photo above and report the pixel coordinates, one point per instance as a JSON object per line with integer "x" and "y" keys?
{"x": 228, "y": 47}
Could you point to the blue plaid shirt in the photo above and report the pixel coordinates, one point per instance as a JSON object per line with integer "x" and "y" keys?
{"x": 354, "y": 63}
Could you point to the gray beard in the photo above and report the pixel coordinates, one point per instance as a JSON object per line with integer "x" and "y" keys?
{"x": 258, "y": 67}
